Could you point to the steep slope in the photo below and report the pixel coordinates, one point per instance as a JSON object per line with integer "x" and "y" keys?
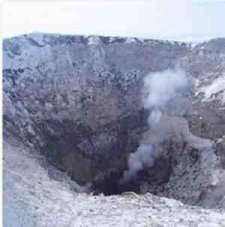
{"x": 81, "y": 96}
{"x": 77, "y": 100}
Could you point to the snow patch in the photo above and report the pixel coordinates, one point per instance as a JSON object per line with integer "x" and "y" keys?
{"x": 216, "y": 90}
{"x": 130, "y": 40}
{"x": 94, "y": 40}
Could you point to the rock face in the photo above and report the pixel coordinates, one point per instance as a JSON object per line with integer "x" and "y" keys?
{"x": 77, "y": 100}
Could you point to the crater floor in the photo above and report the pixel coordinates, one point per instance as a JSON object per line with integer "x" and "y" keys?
{"x": 33, "y": 198}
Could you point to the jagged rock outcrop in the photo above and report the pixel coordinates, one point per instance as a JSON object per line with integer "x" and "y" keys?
{"x": 77, "y": 99}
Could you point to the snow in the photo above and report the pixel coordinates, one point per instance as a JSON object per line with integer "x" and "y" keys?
{"x": 216, "y": 87}
{"x": 32, "y": 198}
{"x": 94, "y": 40}
{"x": 130, "y": 40}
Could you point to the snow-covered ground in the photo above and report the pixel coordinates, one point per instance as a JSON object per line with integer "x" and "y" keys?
{"x": 215, "y": 90}
{"x": 32, "y": 198}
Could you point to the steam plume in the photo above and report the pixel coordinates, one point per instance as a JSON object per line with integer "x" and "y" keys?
{"x": 165, "y": 97}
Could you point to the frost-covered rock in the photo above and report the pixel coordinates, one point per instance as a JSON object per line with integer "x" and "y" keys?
{"x": 71, "y": 90}
{"x": 216, "y": 90}
{"x": 77, "y": 100}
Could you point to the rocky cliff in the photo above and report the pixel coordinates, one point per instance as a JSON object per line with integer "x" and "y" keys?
{"x": 78, "y": 101}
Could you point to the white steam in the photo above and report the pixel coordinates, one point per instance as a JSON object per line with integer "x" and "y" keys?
{"x": 165, "y": 97}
